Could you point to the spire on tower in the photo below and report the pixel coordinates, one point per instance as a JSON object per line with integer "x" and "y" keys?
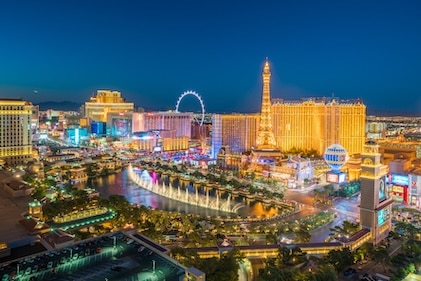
{"x": 266, "y": 69}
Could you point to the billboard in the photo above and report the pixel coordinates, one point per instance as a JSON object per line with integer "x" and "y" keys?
{"x": 382, "y": 216}
{"x": 400, "y": 179}
{"x": 332, "y": 177}
{"x": 335, "y": 177}
{"x": 121, "y": 127}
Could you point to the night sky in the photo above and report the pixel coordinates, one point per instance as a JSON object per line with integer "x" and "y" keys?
{"x": 153, "y": 51}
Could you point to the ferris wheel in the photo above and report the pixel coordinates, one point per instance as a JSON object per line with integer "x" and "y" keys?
{"x": 202, "y": 105}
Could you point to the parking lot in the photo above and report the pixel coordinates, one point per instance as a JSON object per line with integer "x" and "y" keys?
{"x": 107, "y": 258}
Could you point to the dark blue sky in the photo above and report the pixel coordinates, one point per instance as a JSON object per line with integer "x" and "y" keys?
{"x": 153, "y": 51}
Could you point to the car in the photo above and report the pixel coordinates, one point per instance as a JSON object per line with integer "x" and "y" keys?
{"x": 98, "y": 250}
{"x": 117, "y": 268}
{"x": 130, "y": 241}
{"x": 349, "y": 271}
{"x": 50, "y": 264}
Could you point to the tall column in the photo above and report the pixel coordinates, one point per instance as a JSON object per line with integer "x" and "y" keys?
{"x": 265, "y": 138}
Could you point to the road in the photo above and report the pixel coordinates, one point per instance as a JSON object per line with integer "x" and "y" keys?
{"x": 345, "y": 210}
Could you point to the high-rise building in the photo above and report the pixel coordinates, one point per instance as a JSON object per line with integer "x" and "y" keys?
{"x": 315, "y": 124}
{"x": 178, "y": 121}
{"x": 307, "y": 124}
{"x": 105, "y": 102}
{"x": 238, "y": 131}
{"x": 375, "y": 205}
{"x": 35, "y": 118}
{"x": 15, "y": 131}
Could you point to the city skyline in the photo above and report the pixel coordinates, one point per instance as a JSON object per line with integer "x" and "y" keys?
{"x": 152, "y": 53}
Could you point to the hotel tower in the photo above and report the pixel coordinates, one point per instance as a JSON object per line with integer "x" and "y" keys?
{"x": 305, "y": 124}
{"x": 15, "y": 131}
{"x": 106, "y": 102}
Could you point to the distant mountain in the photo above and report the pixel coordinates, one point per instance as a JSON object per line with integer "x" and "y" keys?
{"x": 63, "y": 105}
{"x": 391, "y": 113}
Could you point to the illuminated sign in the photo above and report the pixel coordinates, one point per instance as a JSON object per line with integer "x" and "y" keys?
{"x": 341, "y": 177}
{"x": 331, "y": 177}
{"x": 382, "y": 190}
{"x": 335, "y": 177}
{"x": 398, "y": 189}
{"x": 382, "y": 216}
{"x": 401, "y": 180}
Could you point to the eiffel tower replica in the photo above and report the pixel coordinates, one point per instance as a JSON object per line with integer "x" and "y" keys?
{"x": 265, "y": 144}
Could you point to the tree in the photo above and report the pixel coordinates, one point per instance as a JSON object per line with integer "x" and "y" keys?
{"x": 289, "y": 256}
{"x": 367, "y": 248}
{"x": 324, "y": 272}
{"x": 272, "y": 272}
{"x": 382, "y": 256}
{"x": 406, "y": 229}
{"x": 302, "y": 236}
{"x": 412, "y": 249}
{"x": 340, "y": 259}
{"x": 347, "y": 229}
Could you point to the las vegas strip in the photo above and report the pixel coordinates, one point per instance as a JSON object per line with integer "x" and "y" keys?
{"x": 245, "y": 168}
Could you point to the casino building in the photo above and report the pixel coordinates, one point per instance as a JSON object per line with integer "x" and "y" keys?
{"x": 105, "y": 102}
{"x": 236, "y": 131}
{"x": 316, "y": 123}
{"x": 307, "y": 124}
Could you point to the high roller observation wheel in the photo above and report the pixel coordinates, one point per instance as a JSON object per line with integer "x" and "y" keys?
{"x": 202, "y": 104}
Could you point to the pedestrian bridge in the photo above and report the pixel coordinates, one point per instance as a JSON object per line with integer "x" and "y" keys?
{"x": 272, "y": 251}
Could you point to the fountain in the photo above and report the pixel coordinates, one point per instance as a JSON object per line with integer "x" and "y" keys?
{"x": 171, "y": 192}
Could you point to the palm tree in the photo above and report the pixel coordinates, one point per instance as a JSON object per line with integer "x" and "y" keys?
{"x": 347, "y": 229}
{"x": 382, "y": 255}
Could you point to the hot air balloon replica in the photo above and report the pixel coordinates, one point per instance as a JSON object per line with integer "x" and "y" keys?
{"x": 335, "y": 156}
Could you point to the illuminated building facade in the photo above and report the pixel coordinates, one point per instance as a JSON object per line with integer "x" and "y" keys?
{"x": 353, "y": 167}
{"x": 317, "y": 123}
{"x": 178, "y": 121}
{"x": 35, "y": 118}
{"x": 311, "y": 124}
{"x": 375, "y": 205}
{"x": 159, "y": 141}
{"x": 238, "y": 131}
{"x": 414, "y": 179}
{"x": 105, "y": 102}
{"x": 15, "y": 131}
{"x": 99, "y": 128}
